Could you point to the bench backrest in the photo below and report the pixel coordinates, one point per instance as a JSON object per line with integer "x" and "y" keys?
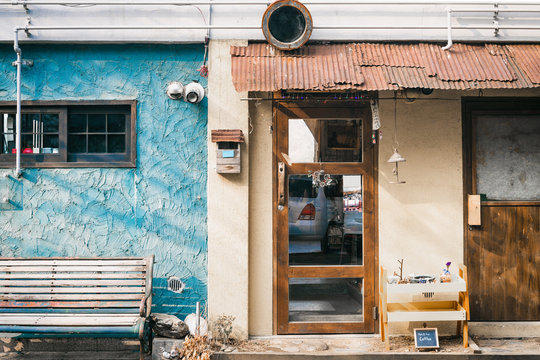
{"x": 106, "y": 285}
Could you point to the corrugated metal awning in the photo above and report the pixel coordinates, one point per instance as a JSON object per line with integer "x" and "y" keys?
{"x": 384, "y": 66}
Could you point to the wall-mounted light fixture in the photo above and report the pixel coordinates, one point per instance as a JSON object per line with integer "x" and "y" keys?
{"x": 192, "y": 93}
{"x": 175, "y": 90}
{"x": 396, "y": 157}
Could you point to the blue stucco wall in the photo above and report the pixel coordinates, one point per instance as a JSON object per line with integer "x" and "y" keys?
{"x": 158, "y": 208}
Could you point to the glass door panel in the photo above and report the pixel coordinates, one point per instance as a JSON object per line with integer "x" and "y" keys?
{"x": 325, "y": 140}
{"x": 326, "y": 300}
{"x": 325, "y": 222}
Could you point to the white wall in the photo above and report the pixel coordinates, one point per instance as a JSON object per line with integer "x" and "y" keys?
{"x": 380, "y": 15}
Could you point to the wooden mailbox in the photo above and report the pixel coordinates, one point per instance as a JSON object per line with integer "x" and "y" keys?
{"x": 228, "y": 159}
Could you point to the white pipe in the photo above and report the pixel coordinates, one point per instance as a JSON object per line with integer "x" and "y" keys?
{"x": 265, "y": 3}
{"x": 449, "y": 30}
{"x": 198, "y": 321}
{"x": 18, "y": 63}
{"x": 494, "y": 10}
{"x": 250, "y": 27}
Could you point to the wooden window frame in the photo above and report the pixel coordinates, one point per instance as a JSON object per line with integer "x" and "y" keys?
{"x": 65, "y": 160}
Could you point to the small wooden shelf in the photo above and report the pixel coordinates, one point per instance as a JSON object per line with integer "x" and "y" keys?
{"x": 425, "y": 310}
{"x": 457, "y": 285}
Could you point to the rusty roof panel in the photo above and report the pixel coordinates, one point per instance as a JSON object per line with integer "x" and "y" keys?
{"x": 378, "y": 66}
{"x": 527, "y": 57}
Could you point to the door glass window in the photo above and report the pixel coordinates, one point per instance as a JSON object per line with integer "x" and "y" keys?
{"x": 327, "y": 140}
{"x": 325, "y": 222}
{"x": 508, "y": 157}
{"x": 326, "y": 299}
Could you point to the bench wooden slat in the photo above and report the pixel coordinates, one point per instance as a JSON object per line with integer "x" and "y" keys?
{"x": 67, "y": 262}
{"x": 80, "y": 275}
{"x": 116, "y": 269}
{"x": 71, "y": 296}
{"x": 75, "y": 282}
{"x": 69, "y": 304}
{"x": 72, "y": 320}
{"x": 70, "y": 290}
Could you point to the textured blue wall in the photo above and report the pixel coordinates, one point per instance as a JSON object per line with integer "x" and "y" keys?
{"x": 157, "y": 208}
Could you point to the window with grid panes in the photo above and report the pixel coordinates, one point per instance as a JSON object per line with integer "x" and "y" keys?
{"x": 61, "y": 134}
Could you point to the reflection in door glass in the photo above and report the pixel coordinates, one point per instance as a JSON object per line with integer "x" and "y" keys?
{"x": 326, "y": 299}
{"x": 328, "y": 140}
{"x": 325, "y": 223}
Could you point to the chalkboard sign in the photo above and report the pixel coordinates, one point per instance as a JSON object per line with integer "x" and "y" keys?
{"x": 426, "y": 338}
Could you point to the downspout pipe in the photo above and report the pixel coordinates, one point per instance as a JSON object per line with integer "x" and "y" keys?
{"x": 18, "y": 64}
{"x": 449, "y": 30}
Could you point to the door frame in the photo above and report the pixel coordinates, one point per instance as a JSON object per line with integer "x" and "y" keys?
{"x": 370, "y": 290}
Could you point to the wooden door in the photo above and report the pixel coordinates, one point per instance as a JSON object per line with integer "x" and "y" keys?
{"x": 502, "y": 151}
{"x": 324, "y": 232}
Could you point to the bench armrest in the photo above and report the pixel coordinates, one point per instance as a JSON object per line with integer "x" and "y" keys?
{"x": 146, "y": 305}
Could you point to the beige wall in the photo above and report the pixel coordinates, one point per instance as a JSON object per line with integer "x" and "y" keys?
{"x": 228, "y": 197}
{"x": 260, "y": 219}
{"x": 420, "y": 221}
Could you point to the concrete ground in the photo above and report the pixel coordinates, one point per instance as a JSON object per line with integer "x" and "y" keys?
{"x": 332, "y": 347}
{"x": 70, "y": 349}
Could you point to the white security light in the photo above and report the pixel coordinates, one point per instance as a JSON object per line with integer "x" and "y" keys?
{"x": 175, "y": 90}
{"x": 193, "y": 92}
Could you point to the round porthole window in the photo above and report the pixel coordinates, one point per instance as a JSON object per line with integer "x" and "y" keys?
{"x": 287, "y": 24}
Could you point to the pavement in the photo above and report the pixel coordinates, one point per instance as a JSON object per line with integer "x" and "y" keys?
{"x": 331, "y": 347}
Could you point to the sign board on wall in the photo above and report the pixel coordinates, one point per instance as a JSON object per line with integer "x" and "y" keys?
{"x": 426, "y": 338}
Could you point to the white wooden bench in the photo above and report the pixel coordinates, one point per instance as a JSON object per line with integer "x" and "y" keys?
{"x": 76, "y": 297}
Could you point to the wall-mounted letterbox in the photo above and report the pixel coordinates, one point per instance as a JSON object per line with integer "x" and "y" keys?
{"x": 228, "y": 160}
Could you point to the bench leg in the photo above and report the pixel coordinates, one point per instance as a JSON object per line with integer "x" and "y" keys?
{"x": 141, "y": 349}
{"x": 458, "y": 328}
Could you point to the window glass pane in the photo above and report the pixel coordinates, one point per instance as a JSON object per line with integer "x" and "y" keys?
{"x": 77, "y": 123}
{"x": 27, "y": 142}
{"x": 50, "y": 141}
{"x": 50, "y": 122}
{"x": 30, "y": 123}
{"x": 325, "y": 222}
{"x": 508, "y": 156}
{"x": 326, "y": 299}
{"x": 97, "y": 144}
{"x": 96, "y": 122}
{"x": 77, "y": 143}
{"x": 116, "y": 143}
{"x": 327, "y": 140}
{"x": 7, "y": 132}
{"x": 116, "y": 123}
{"x": 8, "y": 143}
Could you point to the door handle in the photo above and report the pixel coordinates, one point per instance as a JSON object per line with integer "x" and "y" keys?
{"x": 281, "y": 185}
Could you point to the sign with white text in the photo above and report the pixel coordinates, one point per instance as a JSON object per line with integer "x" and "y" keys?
{"x": 426, "y": 338}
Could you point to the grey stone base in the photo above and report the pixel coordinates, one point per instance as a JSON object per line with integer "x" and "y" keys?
{"x": 163, "y": 344}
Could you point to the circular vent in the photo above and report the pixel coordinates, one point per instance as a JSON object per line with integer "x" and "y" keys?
{"x": 176, "y": 285}
{"x": 287, "y": 24}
